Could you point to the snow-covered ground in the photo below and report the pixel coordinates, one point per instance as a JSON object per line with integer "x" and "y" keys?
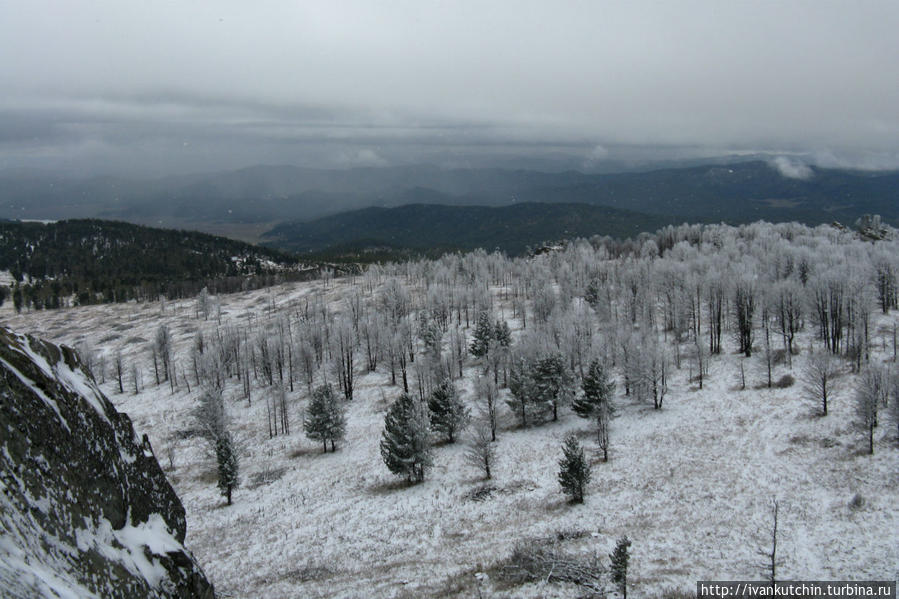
{"x": 691, "y": 484}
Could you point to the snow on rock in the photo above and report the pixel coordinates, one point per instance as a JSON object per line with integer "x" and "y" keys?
{"x": 85, "y": 509}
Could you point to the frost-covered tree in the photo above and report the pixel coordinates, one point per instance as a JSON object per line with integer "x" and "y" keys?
{"x": 596, "y": 403}
{"x": 204, "y": 304}
{"x": 869, "y": 392}
{"x": 886, "y": 281}
{"x": 481, "y": 451}
{"x": 276, "y": 411}
{"x": 827, "y": 296}
{"x": 772, "y": 562}
{"x": 431, "y": 335}
{"x": 488, "y": 396}
{"x": 210, "y": 414}
{"x": 162, "y": 349}
{"x": 212, "y": 423}
{"x": 405, "y": 445}
{"x": 620, "y": 559}
{"x": 744, "y": 305}
{"x": 344, "y": 352}
{"x": 574, "y": 470}
{"x": 656, "y": 363}
{"x": 324, "y": 420}
{"x": 448, "y": 413}
{"x": 544, "y": 300}
{"x": 820, "y": 378}
{"x": 894, "y": 399}
{"x": 715, "y": 297}
{"x": 787, "y": 297}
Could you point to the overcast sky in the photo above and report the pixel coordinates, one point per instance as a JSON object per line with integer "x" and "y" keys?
{"x": 156, "y": 87}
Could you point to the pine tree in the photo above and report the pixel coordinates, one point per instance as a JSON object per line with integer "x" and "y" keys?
{"x": 405, "y": 446}
{"x": 226, "y": 457}
{"x": 597, "y": 403}
{"x": 502, "y": 333}
{"x": 521, "y": 386}
{"x": 574, "y": 471}
{"x": 325, "y": 420}
{"x": 553, "y": 384}
{"x": 448, "y": 414}
{"x": 483, "y": 335}
{"x": 618, "y": 569}
{"x": 591, "y": 294}
{"x": 597, "y": 389}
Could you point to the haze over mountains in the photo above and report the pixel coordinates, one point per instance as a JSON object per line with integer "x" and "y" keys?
{"x": 280, "y": 205}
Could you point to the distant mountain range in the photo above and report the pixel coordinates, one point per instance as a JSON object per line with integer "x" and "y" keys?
{"x": 287, "y": 205}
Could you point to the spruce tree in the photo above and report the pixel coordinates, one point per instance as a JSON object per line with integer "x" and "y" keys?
{"x": 325, "y": 420}
{"x": 448, "y": 414}
{"x": 405, "y": 446}
{"x": 597, "y": 403}
{"x": 591, "y": 294}
{"x": 618, "y": 568}
{"x": 502, "y": 333}
{"x": 521, "y": 386}
{"x": 553, "y": 384}
{"x": 574, "y": 471}
{"x": 226, "y": 457}
{"x": 483, "y": 335}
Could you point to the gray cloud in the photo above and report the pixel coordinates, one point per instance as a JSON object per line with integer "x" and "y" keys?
{"x": 110, "y": 84}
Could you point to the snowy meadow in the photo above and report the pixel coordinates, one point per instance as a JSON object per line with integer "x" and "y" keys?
{"x": 724, "y": 344}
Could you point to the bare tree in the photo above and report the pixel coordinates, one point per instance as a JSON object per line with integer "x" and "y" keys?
{"x": 204, "y": 305}
{"x": 820, "y": 377}
{"x": 162, "y": 350}
{"x": 772, "y": 562}
{"x": 788, "y": 312}
{"x": 481, "y": 451}
{"x": 894, "y": 398}
{"x": 345, "y": 350}
{"x": 870, "y": 389}
{"x": 119, "y": 366}
{"x": 136, "y": 378}
{"x": 744, "y": 306}
{"x": 488, "y": 396}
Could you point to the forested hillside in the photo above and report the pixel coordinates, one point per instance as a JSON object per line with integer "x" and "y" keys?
{"x": 88, "y": 261}
{"x": 434, "y": 229}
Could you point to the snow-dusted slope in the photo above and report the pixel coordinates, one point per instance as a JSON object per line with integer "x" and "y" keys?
{"x": 690, "y": 484}
{"x": 85, "y": 510}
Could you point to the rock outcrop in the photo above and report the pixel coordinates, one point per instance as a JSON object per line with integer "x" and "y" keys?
{"x": 85, "y": 509}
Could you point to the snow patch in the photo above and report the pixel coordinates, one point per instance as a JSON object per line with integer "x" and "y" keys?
{"x": 37, "y": 391}
{"x": 126, "y": 546}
